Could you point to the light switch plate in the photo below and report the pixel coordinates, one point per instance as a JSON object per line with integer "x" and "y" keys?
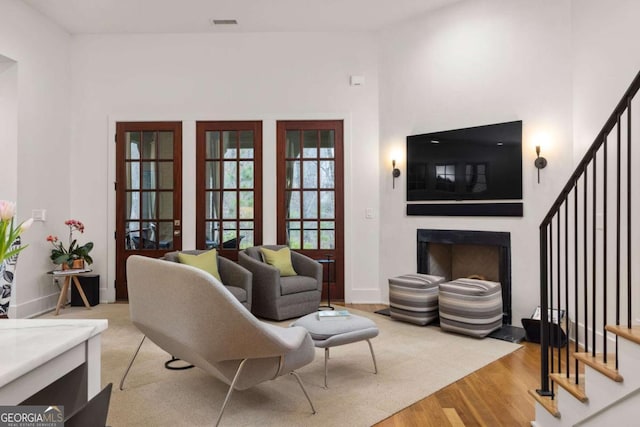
{"x": 368, "y": 213}
{"x": 39, "y": 214}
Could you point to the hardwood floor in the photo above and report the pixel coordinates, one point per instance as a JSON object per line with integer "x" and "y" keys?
{"x": 496, "y": 395}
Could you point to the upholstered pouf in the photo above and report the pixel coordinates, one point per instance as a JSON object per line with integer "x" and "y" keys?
{"x": 414, "y": 298}
{"x": 470, "y": 306}
{"x": 328, "y": 333}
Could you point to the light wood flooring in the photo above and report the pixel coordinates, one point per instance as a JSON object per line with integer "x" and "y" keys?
{"x": 496, "y": 395}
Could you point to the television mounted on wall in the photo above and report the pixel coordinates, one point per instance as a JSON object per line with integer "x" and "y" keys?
{"x": 482, "y": 163}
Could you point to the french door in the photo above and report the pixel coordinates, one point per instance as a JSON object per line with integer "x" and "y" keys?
{"x": 228, "y": 186}
{"x": 310, "y": 194}
{"x": 148, "y": 192}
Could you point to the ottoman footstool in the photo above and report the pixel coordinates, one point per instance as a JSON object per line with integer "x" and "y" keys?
{"x": 470, "y": 306}
{"x": 334, "y": 332}
{"x": 414, "y": 298}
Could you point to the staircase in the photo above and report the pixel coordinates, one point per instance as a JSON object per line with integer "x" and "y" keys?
{"x": 587, "y": 264}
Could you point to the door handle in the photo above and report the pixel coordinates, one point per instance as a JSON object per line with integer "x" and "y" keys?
{"x": 176, "y": 232}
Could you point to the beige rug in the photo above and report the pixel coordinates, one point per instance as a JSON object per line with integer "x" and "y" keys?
{"x": 413, "y": 362}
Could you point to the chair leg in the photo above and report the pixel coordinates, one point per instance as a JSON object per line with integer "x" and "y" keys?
{"x": 304, "y": 390}
{"x": 231, "y": 387}
{"x": 326, "y": 359}
{"x": 373, "y": 356}
{"x": 131, "y": 362}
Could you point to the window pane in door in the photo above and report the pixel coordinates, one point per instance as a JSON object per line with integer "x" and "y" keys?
{"x": 212, "y": 205}
{"x": 310, "y": 143}
{"x": 165, "y": 235}
{"x": 246, "y": 144}
{"x": 133, "y": 175}
{"x": 230, "y": 144}
{"x": 212, "y": 234}
{"x": 327, "y": 174}
{"x": 165, "y": 175}
{"x": 229, "y": 233}
{"x": 212, "y": 175}
{"x": 246, "y": 204}
{"x": 294, "y": 234}
{"x": 148, "y": 205}
{"x": 310, "y": 171}
{"x": 327, "y": 239}
{"x": 310, "y": 235}
{"x": 165, "y": 145}
{"x": 310, "y": 204}
{"x": 229, "y": 205}
{"x": 246, "y": 174}
{"x": 132, "y": 206}
{"x": 212, "y": 145}
{"x": 327, "y": 143}
{"x": 149, "y": 145}
{"x": 148, "y": 235}
{"x": 327, "y": 204}
{"x": 132, "y": 144}
{"x": 293, "y": 209}
{"x": 165, "y": 205}
{"x": 230, "y": 174}
{"x": 293, "y": 174}
{"x": 148, "y": 175}
{"x": 293, "y": 144}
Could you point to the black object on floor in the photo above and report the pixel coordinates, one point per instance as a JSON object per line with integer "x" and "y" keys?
{"x": 557, "y": 336}
{"x": 384, "y": 312}
{"x": 90, "y": 284}
{"x": 169, "y": 364}
{"x": 509, "y": 333}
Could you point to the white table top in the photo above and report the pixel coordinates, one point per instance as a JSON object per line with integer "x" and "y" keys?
{"x": 26, "y": 344}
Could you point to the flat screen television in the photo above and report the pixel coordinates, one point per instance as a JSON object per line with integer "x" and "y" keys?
{"x": 477, "y": 163}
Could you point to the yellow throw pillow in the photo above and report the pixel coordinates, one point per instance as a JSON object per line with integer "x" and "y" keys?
{"x": 207, "y": 261}
{"x": 280, "y": 259}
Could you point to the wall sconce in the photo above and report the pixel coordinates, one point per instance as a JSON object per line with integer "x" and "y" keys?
{"x": 395, "y": 172}
{"x": 540, "y": 162}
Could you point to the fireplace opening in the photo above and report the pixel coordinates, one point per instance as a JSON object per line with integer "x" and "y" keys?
{"x": 459, "y": 253}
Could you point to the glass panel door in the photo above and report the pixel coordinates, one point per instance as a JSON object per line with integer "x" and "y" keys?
{"x": 310, "y": 192}
{"x": 229, "y": 186}
{"x": 148, "y": 197}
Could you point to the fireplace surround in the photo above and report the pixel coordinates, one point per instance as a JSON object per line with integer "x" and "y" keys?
{"x": 462, "y": 252}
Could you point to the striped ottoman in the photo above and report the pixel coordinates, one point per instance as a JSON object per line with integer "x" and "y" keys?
{"x": 471, "y": 306}
{"x": 414, "y": 298}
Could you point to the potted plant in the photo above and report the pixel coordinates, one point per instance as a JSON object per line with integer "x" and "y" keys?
{"x": 75, "y": 255}
{"x": 10, "y": 247}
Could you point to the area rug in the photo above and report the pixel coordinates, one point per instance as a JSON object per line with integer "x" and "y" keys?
{"x": 413, "y": 362}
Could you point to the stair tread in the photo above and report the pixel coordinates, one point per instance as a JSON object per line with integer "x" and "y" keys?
{"x": 632, "y": 334}
{"x": 607, "y": 369}
{"x": 569, "y": 384}
{"x": 551, "y": 405}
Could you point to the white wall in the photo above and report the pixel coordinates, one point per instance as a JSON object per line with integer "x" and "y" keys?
{"x": 8, "y": 128}
{"x": 226, "y": 77}
{"x": 470, "y": 64}
{"x": 41, "y": 179}
{"x": 606, "y": 59}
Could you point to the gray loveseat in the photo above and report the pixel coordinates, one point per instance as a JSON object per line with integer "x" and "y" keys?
{"x": 280, "y": 298}
{"x": 234, "y": 277}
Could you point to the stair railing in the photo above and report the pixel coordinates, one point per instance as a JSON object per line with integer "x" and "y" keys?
{"x": 575, "y": 258}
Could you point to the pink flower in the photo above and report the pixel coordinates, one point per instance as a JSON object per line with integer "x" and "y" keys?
{"x": 52, "y": 239}
{"x": 7, "y": 210}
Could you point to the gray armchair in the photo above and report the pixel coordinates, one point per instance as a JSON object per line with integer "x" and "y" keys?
{"x": 234, "y": 277}
{"x": 207, "y": 327}
{"x": 280, "y": 298}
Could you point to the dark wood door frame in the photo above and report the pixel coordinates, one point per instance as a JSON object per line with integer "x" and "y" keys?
{"x": 121, "y": 251}
{"x": 337, "y": 271}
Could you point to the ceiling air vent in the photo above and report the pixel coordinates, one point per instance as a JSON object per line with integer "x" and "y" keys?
{"x": 224, "y": 22}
